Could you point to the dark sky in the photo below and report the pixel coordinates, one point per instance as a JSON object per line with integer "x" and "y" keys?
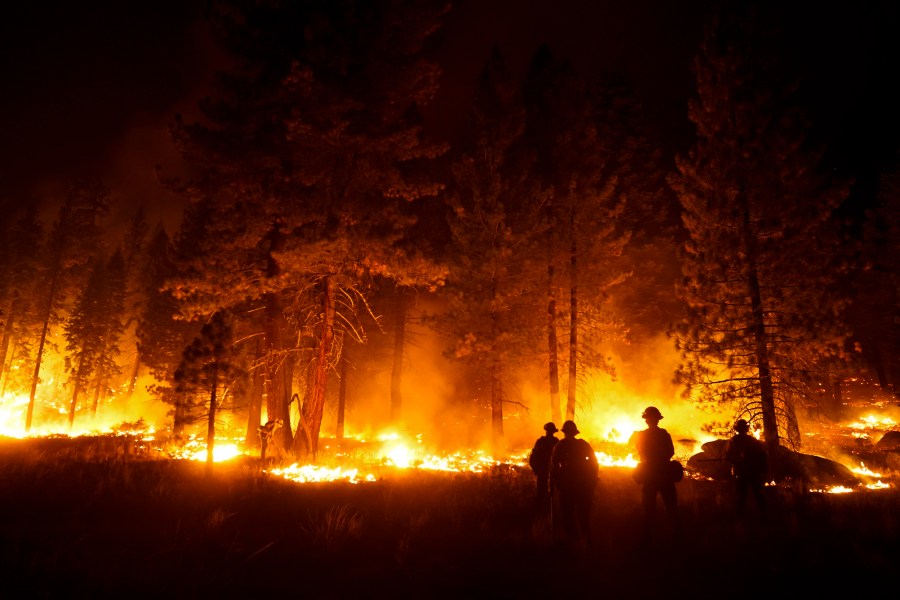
{"x": 90, "y": 87}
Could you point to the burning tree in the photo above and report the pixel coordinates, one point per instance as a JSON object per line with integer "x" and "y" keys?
{"x": 762, "y": 327}
{"x": 304, "y": 162}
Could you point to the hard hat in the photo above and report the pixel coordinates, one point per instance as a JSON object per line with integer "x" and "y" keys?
{"x": 550, "y": 427}
{"x": 742, "y": 426}
{"x": 651, "y": 412}
{"x": 569, "y": 427}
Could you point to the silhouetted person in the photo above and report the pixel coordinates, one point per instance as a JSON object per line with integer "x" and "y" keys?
{"x": 655, "y": 449}
{"x": 573, "y": 477}
{"x": 749, "y": 463}
{"x": 539, "y": 461}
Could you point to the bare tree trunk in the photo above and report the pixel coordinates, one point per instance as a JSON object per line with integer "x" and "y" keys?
{"x": 397, "y": 367}
{"x": 179, "y": 418}
{"x": 4, "y": 343}
{"x": 758, "y": 330}
{"x": 497, "y": 441}
{"x": 553, "y": 345}
{"x": 211, "y": 421}
{"x": 307, "y": 439}
{"x": 573, "y": 318}
{"x": 51, "y": 297}
{"x": 278, "y": 371}
{"x": 96, "y": 401}
{"x": 342, "y": 395}
{"x": 254, "y": 410}
{"x": 132, "y": 381}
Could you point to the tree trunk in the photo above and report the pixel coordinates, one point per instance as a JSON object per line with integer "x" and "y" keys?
{"x": 74, "y": 404}
{"x": 497, "y": 441}
{"x": 96, "y": 401}
{"x": 40, "y": 350}
{"x": 278, "y": 371}
{"x": 573, "y": 320}
{"x": 307, "y": 439}
{"x": 132, "y": 381}
{"x": 553, "y": 345}
{"x": 211, "y": 421}
{"x": 178, "y": 422}
{"x": 4, "y": 343}
{"x": 496, "y": 376}
{"x": 342, "y": 395}
{"x": 254, "y": 410}
{"x": 760, "y": 336}
{"x": 397, "y": 367}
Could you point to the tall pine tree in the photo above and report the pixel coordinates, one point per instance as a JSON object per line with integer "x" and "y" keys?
{"x": 762, "y": 326}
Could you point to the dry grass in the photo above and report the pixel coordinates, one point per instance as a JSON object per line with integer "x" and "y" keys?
{"x": 80, "y": 520}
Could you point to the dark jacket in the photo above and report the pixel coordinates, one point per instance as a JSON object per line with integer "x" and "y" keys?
{"x": 655, "y": 449}
{"x": 573, "y": 466}
{"x": 539, "y": 459}
{"x": 747, "y": 456}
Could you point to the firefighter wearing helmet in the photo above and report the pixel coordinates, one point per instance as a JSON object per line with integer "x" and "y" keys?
{"x": 539, "y": 461}
{"x": 573, "y": 476}
{"x": 749, "y": 464}
{"x": 654, "y": 472}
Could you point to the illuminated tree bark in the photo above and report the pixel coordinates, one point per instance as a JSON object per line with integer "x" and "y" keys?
{"x": 307, "y": 439}
{"x": 397, "y": 361}
{"x": 553, "y": 343}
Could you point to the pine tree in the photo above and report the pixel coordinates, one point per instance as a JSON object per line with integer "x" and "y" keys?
{"x": 112, "y": 327}
{"x": 23, "y": 247}
{"x": 206, "y": 373}
{"x": 310, "y": 161}
{"x": 489, "y": 235}
{"x": 73, "y": 242}
{"x": 135, "y": 257}
{"x": 161, "y": 333}
{"x": 762, "y": 326}
{"x": 581, "y": 156}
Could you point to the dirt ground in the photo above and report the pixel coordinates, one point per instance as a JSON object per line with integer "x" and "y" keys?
{"x": 83, "y": 519}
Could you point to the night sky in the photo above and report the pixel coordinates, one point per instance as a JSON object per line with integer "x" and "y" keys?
{"x": 89, "y": 88}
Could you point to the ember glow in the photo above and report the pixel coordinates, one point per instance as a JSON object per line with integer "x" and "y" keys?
{"x": 440, "y": 439}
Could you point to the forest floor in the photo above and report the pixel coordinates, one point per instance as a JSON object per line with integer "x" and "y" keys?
{"x": 81, "y": 520}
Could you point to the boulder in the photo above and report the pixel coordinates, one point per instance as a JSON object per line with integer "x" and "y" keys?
{"x": 710, "y": 462}
{"x": 889, "y": 441}
{"x": 813, "y": 470}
